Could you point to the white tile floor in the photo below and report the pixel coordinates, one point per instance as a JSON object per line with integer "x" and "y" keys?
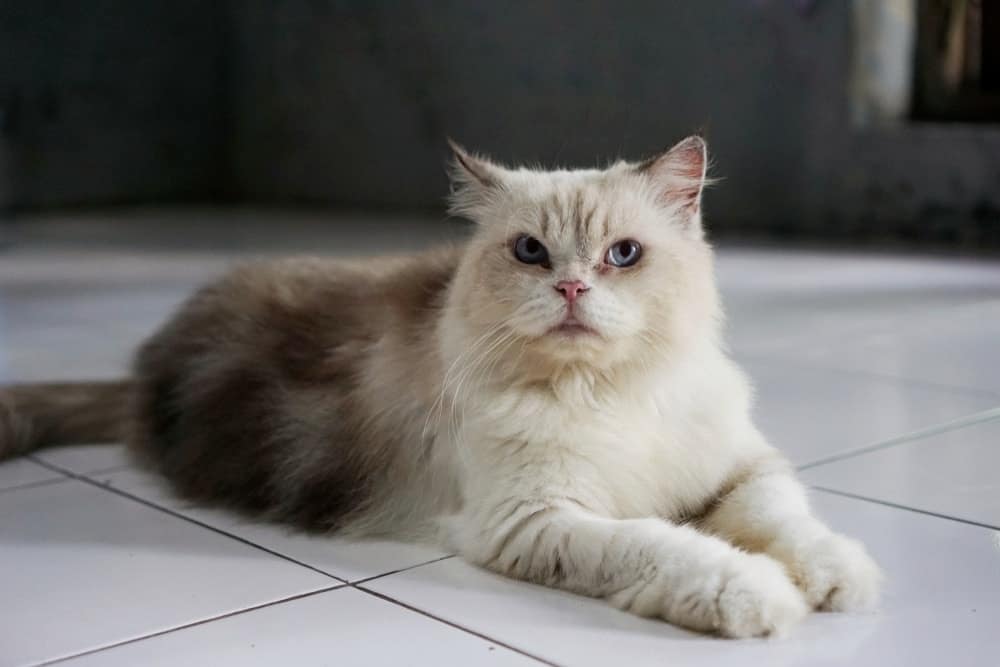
{"x": 878, "y": 375}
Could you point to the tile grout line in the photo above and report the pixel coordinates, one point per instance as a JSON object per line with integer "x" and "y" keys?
{"x": 109, "y": 469}
{"x": 917, "y": 510}
{"x": 68, "y": 475}
{"x": 365, "y": 580}
{"x": 342, "y": 583}
{"x": 299, "y": 596}
{"x": 71, "y": 475}
{"x": 32, "y": 485}
{"x": 470, "y": 631}
{"x": 982, "y": 417}
{"x": 357, "y": 584}
{"x": 183, "y": 517}
{"x": 203, "y": 621}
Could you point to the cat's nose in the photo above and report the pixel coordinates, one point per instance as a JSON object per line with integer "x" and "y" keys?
{"x": 571, "y": 289}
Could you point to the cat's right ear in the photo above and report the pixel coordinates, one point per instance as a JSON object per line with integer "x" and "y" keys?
{"x": 475, "y": 182}
{"x": 679, "y": 176}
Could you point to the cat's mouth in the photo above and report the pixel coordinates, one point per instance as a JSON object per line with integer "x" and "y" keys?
{"x": 572, "y": 327}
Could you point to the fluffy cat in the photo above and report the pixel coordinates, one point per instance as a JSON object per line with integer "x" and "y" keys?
{"x": 551, "y": 400}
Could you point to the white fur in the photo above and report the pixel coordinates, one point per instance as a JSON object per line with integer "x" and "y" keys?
{"x": 623, "y": 466}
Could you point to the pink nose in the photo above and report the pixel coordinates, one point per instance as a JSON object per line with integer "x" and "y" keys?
{"x": 571, "y": 289}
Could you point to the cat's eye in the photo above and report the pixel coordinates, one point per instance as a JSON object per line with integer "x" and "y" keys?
{"x": 623, "y": 253}
{"x": 530, "y": 250}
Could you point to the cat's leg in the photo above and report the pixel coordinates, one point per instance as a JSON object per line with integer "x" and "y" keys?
{"x": 646, "y": 566}
{"x": 767, "y": 511}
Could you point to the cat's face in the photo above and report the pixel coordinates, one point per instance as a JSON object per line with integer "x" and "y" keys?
{"x": 587, "y": 266}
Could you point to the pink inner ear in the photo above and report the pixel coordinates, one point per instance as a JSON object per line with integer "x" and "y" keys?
{"x": 478, "y": 169}
{"x": 690, "y": 158}
{"x": 680, "y": 173}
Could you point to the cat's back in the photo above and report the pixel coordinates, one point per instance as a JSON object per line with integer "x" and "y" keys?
{"x": 303, "y": 319}
{"x": 265, "y": 382}
{"x": 367, "y": 293}
{"x": 294, "y": 304}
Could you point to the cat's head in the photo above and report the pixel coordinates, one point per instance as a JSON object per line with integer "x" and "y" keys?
{"x": 594, "y": 267}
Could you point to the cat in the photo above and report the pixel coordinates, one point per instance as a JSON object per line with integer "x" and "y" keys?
{"x": 551, "y": 399}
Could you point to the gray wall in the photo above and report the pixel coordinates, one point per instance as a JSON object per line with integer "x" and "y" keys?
{"x": 111, "y": 100}
{"x": 350, "y": 101}
{"x": 347, "y": 104}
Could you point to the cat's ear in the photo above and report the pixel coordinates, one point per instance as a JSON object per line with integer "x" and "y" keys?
{"x": 678, "y": 175}
{"x": 475, "y": 182}
{"x": 468, "y": 168}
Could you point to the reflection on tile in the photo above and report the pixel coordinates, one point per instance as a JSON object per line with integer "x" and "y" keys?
{"x": 955, "y": 346}
{"x": 20, "y": 472}
{"x": 867, "y": 277}
{"x": 953, "y": 473}
{"x": 956, "y": 606}
{"x": 67, "y": 333}
{"x": 346, "y": 559}
{"x": 929, "y": 320}
{"x": 86, "y": 459}
{"x": 339, "y": 627}
{"x": 812, "y": 414}
{"x": 81, "y": 567}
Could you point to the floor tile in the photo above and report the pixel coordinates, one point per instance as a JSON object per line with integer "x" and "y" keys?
{"x": 926, "y": 596}
{"x": 81, "y": 567}
{"x": 86, "y": 459}
{"x": 865, "y": 276}
{"x": 21, "y": 472}
{"x": 812, "y": 413}
{"x": 956, "y": 346}
{"x": 340, "y": 627}
{"x": 69, "y": 334}
{"x": 929, "y": 320}
{"x": 954, "y": 473}
{"x": 346, "y": 559}
{"x": 776, "y": 299}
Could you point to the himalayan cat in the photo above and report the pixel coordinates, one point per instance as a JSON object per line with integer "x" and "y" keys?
{"x": 551, "y": 400}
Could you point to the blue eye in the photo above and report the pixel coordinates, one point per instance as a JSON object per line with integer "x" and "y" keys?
{"x": 624, "y": 253}
{"x": 530, "y": 250}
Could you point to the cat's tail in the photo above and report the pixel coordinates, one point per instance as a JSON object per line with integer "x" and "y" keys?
{"x": 39, "y": 415}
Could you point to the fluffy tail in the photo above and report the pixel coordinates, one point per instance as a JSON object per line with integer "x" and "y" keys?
{"x": 39, "y": 415}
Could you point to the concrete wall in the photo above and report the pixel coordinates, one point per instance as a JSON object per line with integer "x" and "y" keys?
{"x": 350, "y": 101}
{"x": 111, "y": 100}
{"x": 347, "y": 103}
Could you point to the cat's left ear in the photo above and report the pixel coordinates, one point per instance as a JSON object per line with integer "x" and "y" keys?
{"x": 678, "y": 175}
{"x": 475, "y": 182}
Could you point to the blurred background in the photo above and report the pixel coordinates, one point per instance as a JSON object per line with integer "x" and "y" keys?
{"x": 874, "y": 121}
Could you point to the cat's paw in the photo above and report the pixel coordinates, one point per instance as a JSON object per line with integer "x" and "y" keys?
{"x": 758, "y": 599}
{"x": 834, "y": 572}
{"x": 749, "y": 596}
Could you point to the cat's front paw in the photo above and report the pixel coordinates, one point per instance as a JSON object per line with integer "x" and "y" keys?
{"x": 748, "y": 596}
{"x": 834, "y": 572}
{"x": 757, "y": 599}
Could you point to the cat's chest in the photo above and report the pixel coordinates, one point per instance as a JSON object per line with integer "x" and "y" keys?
{"x": 641, "y": 455}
